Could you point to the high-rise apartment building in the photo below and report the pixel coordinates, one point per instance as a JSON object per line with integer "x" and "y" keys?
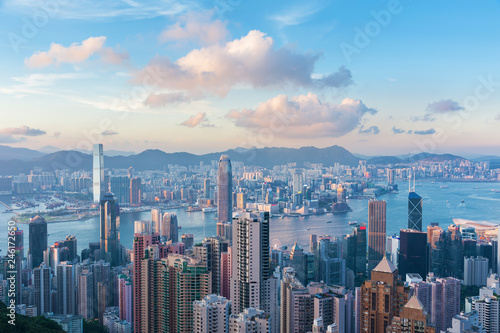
{"x": 241, "y": 201}
{"x": 210, "y": 252}
{"x": 224, "y": 190}
{"x": 141, "y": 242}
{"x": 440, "y": 298}
{"x": 99, "y": 187}
{"x": 156, "y": 221}
{"x": 42, "y": 290}
{"x": 251, "y": 320}
{"x": 250, "y": 260}
{"x": 211, "y": 314}
{"x": 135, "y": 190}
{"x": 110, "y": 230}
{"x": 475, "y": 271}
{"x": 120, "y": 187}
{"x": 65, "y": 278}
{"x": 85, "y": 294}
{"x": 206, "y": 188}
{"x": 125, "y": 297}
{"x": 382, "y": 297}
{"x": 376, "y": 233}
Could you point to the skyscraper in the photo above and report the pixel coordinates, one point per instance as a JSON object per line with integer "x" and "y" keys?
{"x": 250, "y": 261}
{"x": 37, "y": 240}
{"x": 42, "y": 277}
{"x": 224, "y": 190}
{"x": 376, "y": 232}
{"x": 382, "y": 297}
{"x": 414, "y": 211}
{"x": 412, "y": 252}
{"x": 206, "y": 188}
{"x": 110, "y": 229}
{"x": 120, "y": 187}
{"x": 169, "y": 227}
{"x": 141, "y": 242}
{"x": 98, "y": 175}
{"x": 65, "y": 289}
{"x": 135, "y": 190}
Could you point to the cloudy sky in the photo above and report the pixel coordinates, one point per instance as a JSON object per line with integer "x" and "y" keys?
{"x": 376, "y": 77}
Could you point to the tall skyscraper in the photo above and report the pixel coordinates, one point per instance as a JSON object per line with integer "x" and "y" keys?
{"x": 250, "y": 260}
{"x": 298, "y": 179}
{"x": 414, "y": 211}
{"x": 141, "y": 242}
{"x": 42, "y": 291}
{"x": 210, "y": 252}
{"x": 38, "y": 240}
{"x": 120, "y": 187}
{"x": 225, "y": 190}
{"x": 412, "y": 252}
{"x": 169, "y": 227}
{"x": 98, "y": 175}
{"x": 383, "y": 296}
{"x": 110, "y": 230}
{"x": 206, "y": 188}
{"x": 85, "y": 295}
{"x": 376, "y": 232}
{"x": 135, "y": 190}
{"x": 65, "y": 289}
{"x": 19, "y": 255}
{"x": 157, "y": 219}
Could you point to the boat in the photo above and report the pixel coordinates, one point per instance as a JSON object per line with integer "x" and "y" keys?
{"x": 443, "y": 186}
{"x": 209, "y": 209}
{"x": 353, "y": 223}
{"x": 308, "y": 229}
{"x": 328, "y": 221}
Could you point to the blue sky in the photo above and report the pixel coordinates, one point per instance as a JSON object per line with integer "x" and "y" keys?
{"x": 378, "y": 77}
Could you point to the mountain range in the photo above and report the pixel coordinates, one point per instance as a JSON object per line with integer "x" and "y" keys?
{"x": 22, "y": 160}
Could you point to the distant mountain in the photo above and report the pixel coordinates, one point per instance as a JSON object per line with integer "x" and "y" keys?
{"x": 384, "y": 160}
{"x": 48, "y": 149}
{"x": 428, "y": 157}
{"x": 23, "y": 154}
{"x": 154, "y": 159}
{"x": 487, "y": 158}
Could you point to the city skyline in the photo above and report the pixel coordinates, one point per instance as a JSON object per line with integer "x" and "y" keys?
{"x": 320, "y": 76}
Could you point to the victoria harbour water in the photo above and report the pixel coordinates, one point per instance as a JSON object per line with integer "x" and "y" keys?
{"x": 440, "y": 205}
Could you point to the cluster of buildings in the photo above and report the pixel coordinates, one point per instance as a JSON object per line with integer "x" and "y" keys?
{"x": 235, "y": 281}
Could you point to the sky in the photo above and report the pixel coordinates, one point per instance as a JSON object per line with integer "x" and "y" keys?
{"x": 376, "y": 77}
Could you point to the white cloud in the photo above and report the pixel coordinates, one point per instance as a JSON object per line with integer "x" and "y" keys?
{"x": 197, "y": 27}
{"x": 298, "y": 14}
{"x": 198, "y": 119}
{"x": 252, "y": 60}
{"x": 57, "y": 54}
{"x": 303, "y": 116}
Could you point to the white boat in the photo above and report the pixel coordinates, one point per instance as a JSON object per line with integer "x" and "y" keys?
{"x": 209, "y": 209}
{"x": 353, "y": 223}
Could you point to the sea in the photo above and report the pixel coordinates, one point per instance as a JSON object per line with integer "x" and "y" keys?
{"x": 442, "y": 202}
